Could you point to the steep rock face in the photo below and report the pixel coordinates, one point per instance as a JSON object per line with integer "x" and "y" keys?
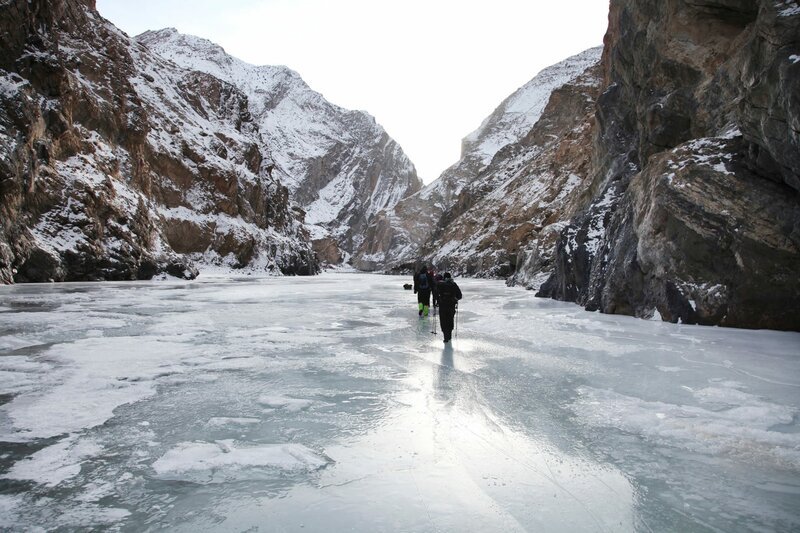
{"x": 340, "y": 166}
{"x": 696, "y": 167}
{"x": 509, "y": 215}
{"x": 118, "y": 165}
{"x": 500, "y": 200}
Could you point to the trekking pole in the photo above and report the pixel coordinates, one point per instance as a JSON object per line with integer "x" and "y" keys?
{"x": 456, "y": 320}
{"x": 434, "y": 320}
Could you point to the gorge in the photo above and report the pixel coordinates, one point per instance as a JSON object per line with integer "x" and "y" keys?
{"x": 656, "y": 176}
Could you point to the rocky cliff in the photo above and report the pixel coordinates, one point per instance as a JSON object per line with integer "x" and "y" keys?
{"x": 118, "y": 164}
{"x": 660, "y": 182}
{"x": 507, "y": 190}
{"x": 696, "y": 164}
{"x": 340, "y": 166}
{"x": 124, "y": 158}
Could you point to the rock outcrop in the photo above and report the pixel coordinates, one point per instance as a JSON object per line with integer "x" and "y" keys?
{"x": 340, "y": 166}
{"x": 662, "y": 182}
{"x": 696, "y": 217}
{"x": 119, "y": 165}
{"x": 518, "y": 171}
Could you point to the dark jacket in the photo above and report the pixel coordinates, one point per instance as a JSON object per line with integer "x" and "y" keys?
{"x": 449, "y": 293}
{"x": 418, "y": 282}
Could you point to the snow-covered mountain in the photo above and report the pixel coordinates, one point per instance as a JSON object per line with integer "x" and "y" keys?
{"x": 659, "y": 180}
{"x": 516, "y": 115}
{"x": 340, "y": 166}
{"x": 119, "y": 164}
{"x": 483, "y": 209}
{"x": 124, "y": 158}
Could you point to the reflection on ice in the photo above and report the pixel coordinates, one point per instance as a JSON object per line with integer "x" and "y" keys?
{"x": 277, "y": 407}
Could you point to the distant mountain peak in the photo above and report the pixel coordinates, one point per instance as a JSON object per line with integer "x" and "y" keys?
{"x": 340, "y": 165}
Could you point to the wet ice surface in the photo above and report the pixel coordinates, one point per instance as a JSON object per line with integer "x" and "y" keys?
{"x": 326, "y": 404}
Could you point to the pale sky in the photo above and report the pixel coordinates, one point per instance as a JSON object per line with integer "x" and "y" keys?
{"x": 429, "y": 71}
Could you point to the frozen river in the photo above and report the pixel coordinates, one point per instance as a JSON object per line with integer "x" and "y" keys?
{"x": 326, "y": 404}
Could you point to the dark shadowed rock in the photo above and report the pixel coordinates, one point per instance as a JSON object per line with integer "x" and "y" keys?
{"x": 696, "y": 162}
{"x": 118, "y": 165}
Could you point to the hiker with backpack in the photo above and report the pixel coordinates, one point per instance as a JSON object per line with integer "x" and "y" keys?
{"x": 448, "y": 296}
{"x": 423, "y": 287}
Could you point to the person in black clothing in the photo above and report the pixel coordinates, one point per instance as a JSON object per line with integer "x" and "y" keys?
{"x": 423, "y": 286}
{"x": 437, "y": 279}
{"x": 448, "y": 297}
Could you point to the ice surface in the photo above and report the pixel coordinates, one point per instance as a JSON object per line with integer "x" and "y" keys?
{"x": 56, "y": 463}
{"x": 326, "y": 404}
{"x": 209, "y": 459}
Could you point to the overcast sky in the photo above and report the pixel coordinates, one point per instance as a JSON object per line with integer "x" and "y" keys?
{"x": 430, "y": 71}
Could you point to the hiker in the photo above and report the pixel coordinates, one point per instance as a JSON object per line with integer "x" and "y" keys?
{"x": 437, "y": 279}
{"x": 448, "y": 297}
{"x": 423, "y": 286}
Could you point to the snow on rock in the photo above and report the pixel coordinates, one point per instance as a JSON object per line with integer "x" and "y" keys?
{"x": 127, "y": 136}
{"x": 481, "y": 211}
{"x": 705, "y": 169}
{"x": 517, "y": 114}
{"x": 340, "y": 166}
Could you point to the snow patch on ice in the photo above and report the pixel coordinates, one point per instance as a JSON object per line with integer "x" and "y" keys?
{"x": 224, "y": 421}
{"x": 227, "y": 458}
{"x": 284, "y": 402}
{"x": 94, "y": 376}
{"x": 54, "y": 464}
{"x": 728, "y": 421}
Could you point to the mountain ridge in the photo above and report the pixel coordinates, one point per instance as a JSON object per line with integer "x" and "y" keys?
{"x": 123, "y": 165}
{"x": 416, "y": 230}
{"x": 326, "y": 155}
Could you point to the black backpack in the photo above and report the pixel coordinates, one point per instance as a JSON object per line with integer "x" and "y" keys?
{"x": 423, "y": 282}
{"x": 447, "y": 295}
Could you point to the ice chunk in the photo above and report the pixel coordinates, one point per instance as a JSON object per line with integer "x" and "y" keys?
{"x": 226, "y": 459}
{"x": 289, "y": 404}
{"x": 224, "y": 421}
{"x": 54, "y": 464}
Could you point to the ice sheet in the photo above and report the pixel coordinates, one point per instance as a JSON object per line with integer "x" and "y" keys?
{"x": 326, "y": 403}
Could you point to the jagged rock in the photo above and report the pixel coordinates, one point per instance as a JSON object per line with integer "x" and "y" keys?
{"x": 490, "y": 212}
{"x": 695, "y": 161}
{"x": 327, "y": 250}
{"x": 114, "y": 159}
{"x": 180, "y": 267}
{"x": 339, "y": 166}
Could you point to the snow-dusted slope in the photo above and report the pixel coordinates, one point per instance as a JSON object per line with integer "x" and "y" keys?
{"x": 515, "y": 117}
{"x": 119, "y": 164}
{"x": 496, "y": 169}
{"x": 339, "y": 165}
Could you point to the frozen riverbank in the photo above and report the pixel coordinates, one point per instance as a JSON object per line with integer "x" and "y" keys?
{"x": 325, "y": 404}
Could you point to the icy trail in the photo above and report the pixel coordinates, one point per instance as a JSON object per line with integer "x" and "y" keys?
{"x": 325, "y": 404}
